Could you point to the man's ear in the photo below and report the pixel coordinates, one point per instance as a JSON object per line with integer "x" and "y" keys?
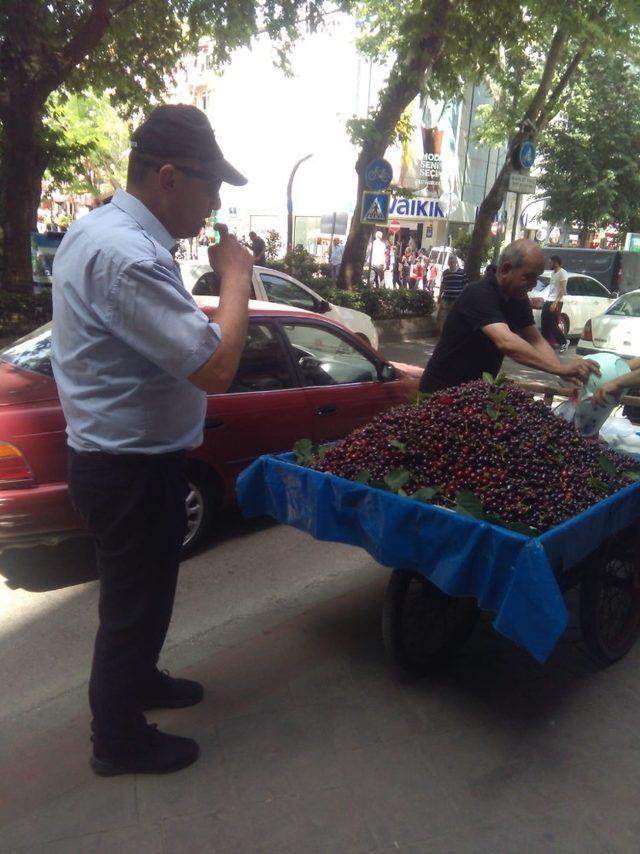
{"x": 167, "y": 176}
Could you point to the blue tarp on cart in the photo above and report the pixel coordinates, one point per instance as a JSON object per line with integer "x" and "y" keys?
{"x": 508, "y": 573}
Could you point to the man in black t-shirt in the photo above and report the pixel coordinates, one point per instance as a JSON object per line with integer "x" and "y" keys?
{"x": 259, "y": 249}
{"x": 492, "y": 319}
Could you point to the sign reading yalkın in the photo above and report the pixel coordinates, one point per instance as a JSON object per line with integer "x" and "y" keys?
{"x": 375, "y": 208}
{"x": 415, "y": 208}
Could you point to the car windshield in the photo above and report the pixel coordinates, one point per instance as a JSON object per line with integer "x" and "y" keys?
{"x": 627, "y": 306}
{"x": 33, "y": 352}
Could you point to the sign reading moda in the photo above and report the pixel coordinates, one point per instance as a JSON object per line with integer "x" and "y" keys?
{"x": 375, "y": 208}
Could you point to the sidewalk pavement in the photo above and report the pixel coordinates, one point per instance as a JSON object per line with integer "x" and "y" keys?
{"x": 309, "y": 744}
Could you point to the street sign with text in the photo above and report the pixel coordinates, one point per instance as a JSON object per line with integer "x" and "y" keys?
{"x": 519, "y": 183}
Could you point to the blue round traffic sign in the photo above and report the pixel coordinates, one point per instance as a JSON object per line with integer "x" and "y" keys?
{"x": 527, "y": 154}
{"x": 378, "y": 175}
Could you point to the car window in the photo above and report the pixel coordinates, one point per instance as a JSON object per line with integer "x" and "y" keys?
{"x": 32, "y": 352}
{"x": 627, "y": 306}
{"x": 264, "y": 364}
{"x": 283, "y": 291}
{"x": 208, "y": 285}
{"x": 589, "y": 288}
{"x": 574, "y": 286}
{"x": 325, "y": 358}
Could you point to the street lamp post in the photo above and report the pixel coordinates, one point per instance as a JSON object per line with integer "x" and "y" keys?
{"x": 290, "y": 202}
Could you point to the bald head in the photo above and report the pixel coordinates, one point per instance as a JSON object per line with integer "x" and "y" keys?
{"x": 520, "y": 264}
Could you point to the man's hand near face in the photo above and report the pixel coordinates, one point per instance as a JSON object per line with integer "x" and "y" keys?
{"x": 234, "y": 264}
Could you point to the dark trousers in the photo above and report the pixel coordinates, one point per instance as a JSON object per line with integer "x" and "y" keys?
{"x": 134, "y": 505}
{"x": 550, "y": 325}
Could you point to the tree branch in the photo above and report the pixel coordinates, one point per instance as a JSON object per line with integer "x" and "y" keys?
{"x": 85, "y": 39}
{"x": 553, "y": 57}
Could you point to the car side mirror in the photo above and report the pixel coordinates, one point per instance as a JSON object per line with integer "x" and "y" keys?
{"x": 323, "y": 306}
{"x": 388, "y": 373}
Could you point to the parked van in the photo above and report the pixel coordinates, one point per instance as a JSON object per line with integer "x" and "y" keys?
{"x": 605, "y": 265}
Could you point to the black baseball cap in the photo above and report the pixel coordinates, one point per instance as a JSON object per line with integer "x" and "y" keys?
{"x": 182, "y": 130}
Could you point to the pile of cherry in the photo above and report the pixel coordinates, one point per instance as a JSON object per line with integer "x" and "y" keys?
{"x": 488, "y": 446}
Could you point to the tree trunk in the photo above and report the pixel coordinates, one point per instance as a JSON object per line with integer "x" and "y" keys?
{"x": 490, "y": 206}
{"x": 355, "y": 249}
{"x": 22, "y": 169}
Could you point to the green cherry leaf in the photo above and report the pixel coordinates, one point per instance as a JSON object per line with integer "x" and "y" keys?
{"x": 606, "y": 465}
{"x": 397, "y": 478}
{"x": 425, "y": 494}
{"x": 468, "y": 503}
{"x": 363, "y": 476}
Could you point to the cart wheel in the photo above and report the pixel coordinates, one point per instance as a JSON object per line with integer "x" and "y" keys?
{"x": 423, "y": 627}
{"x": 610, "y": 598}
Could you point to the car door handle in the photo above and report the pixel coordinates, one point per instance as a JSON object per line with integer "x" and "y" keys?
{"x": 211, "y": 423}
{"x": 326, "y": 410}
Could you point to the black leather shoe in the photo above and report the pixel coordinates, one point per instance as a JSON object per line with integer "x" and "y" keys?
{"x": 167, "y": 692}
{"x": 154, "y": 753}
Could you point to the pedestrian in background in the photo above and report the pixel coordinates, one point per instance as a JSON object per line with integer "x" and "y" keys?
{"x": 134, "y": 358}
{"x": 551, "y": 316}
{"x": 417, "y": 271}
{"x": 335, "y": 257}
{"x": 259, "y": 249}
{"x": 378, "y": 260}
{"x": 453, "y": 282}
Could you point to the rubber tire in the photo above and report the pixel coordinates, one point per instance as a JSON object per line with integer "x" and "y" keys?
{"x": 208, "y": 494}
{"x": 419, "y": 655}
{"x": 622, "y": 552}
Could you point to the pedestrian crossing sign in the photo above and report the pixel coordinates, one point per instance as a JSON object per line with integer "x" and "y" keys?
{"x": 375, "y": 208}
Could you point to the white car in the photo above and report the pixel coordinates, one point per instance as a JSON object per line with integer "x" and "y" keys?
{"x": 273, "y": 286}
{"x": 585, "y": 297}
{"x": 615, "y": 331}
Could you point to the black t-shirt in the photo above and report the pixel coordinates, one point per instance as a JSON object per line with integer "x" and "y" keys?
{"x": 464, "y": 352}
{"x": 258, "y": 247}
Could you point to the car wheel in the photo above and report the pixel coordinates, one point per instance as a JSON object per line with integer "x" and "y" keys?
{"x": 203, "y": 501}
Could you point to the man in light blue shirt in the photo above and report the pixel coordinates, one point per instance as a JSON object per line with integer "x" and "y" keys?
{"x": 133, "y": 358}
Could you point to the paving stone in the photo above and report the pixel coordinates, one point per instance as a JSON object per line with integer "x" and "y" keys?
{"x": 102, "y": 805}
{"x": 225, "y": 831}
{"x": 291, "y": 731}
{"x": 195, "y": 789}
{"x": 329, "y": 681}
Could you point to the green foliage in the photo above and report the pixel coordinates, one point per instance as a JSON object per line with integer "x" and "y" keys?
{"x": 591, "y": 155}
{"x": 300, "y": 264}
{"x": 273, "y": 244}
{"x": 461, "y": 246}
{"x": 385, "y": 304}
{"x": 87, "y": 143}
{"x": 22, "y": 313}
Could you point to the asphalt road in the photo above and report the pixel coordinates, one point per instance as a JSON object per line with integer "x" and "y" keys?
{"x": 418, "y": 353}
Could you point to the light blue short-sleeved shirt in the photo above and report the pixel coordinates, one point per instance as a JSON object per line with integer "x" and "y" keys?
{"x": 126, "y": 335}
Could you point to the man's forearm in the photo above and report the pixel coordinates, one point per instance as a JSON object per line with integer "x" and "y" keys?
{"x": 539, "y": 355}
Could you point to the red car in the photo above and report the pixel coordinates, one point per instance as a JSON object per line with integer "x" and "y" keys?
{"x": 300, "y": 376}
